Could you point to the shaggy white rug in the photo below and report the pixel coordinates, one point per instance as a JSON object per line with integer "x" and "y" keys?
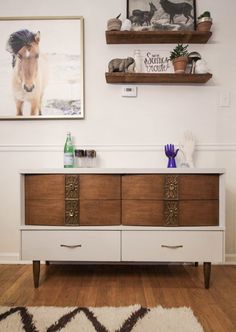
{"x": 106, "y": 319}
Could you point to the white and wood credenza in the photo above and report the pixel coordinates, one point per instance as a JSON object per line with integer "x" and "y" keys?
{"x": 123, "y": 216}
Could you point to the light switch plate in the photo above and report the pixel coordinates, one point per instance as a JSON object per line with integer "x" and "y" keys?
{"x": 129, "y": 91}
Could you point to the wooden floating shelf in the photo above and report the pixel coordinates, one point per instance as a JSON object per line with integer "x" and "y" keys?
{"x": 157, "y": 37}
{"x": 142, "y": 78}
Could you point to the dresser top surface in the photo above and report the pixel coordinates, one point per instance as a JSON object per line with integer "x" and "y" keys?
{"x": 123, "y": 171}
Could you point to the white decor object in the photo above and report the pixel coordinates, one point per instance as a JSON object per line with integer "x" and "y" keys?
{"x": 201, "y": 67}
{"x": 187, "y": 147}
{"x": 138, "y": 68}
{"x": 126, "y": 25}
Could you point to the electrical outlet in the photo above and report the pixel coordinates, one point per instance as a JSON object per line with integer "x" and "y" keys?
{"x": 129, "y": 91}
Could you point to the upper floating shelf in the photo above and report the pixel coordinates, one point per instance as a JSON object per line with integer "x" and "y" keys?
{"x": 157, "y": 37}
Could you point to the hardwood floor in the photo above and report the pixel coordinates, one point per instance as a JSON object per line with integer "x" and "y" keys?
{"x": 166, "y": 285}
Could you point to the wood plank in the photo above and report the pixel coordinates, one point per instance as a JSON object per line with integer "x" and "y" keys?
{"x": 142, "y": 212}
{"x": 198, "y": 186}
{"x": 157, "y": 37}
{"x": 143, "y": 187}
{"x": 143, "y": 78}
{"x": 154, "y": 213}
{"x": 45, "y": 212}
{"x": 99, "y": 186}
{"x": 199, "y": 213}
{"x": 45, "y": 186}
{"x": 100, "y": 212}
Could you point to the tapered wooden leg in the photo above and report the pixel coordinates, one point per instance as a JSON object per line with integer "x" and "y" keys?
{"x": 207, "y": 273}
{"x": 36, "y": 272}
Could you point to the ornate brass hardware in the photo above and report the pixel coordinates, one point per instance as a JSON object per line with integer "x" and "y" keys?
{"x": 71, "y": 186}
{"x": 71, "y": 212}
{"x": 171, "y": 187}
{"x": 171, "y": 213}
{"x": 71, "y": 246}
{"x": 172, "y": 247}
{"x": 71, "y": 199}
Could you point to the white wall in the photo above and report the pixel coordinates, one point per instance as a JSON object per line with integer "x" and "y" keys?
{"x": 126, "y": 132}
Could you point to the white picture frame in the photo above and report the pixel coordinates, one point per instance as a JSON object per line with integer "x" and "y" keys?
{"x": 61, "y": 46}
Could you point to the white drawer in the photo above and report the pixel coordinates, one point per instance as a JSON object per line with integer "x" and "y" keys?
{"x": 70, "y": 245}
{"x": 173, "y": 246}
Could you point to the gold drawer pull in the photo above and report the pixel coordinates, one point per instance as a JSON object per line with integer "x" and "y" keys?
{"x": 72, "y": 246}
{"x": 171, "y": 247}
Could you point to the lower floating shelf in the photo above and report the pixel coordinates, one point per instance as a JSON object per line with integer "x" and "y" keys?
{"x": 142, "y": 78}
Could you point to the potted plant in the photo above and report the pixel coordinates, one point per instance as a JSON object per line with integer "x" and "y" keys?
{"x": 204, "y": 22}
{"x": 179, "y": 58}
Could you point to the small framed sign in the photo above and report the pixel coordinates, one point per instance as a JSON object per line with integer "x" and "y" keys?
{"x": 157, "y": 62}
{"x": 153, "y": 62}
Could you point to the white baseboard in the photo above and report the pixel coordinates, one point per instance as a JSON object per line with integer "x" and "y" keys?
{"x": 10, "y": 258}
{"x": 230, "y": 259}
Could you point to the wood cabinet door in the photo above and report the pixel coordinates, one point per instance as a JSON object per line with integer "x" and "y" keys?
{"x": 45, "y": 186}
{"x": 44, "y": 212}
{"x": 198, "y": 200}
{"x": 100, "y": 212}
{"x": 100, "y": 203}
{"x": 142, "y": 212}
{"x": 99, "y": 186}
{"x": 143, "y": 200}
{"x": 200, "y": 186}
{"x": 72, "y": 199}
{"x": 199, "y": 213}
{"x": 143, "y": 186}
{"x": 170, "y": 199}
{"x": 44, "y": 199}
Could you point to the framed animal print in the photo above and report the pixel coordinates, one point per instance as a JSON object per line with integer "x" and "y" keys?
{"x": 41, "y": 68}
{"x": 162, "y": 15}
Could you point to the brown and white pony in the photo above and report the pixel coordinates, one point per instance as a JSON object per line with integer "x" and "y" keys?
{"x": 29, "y": 76}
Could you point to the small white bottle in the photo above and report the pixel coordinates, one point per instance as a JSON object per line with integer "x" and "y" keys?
{"x": 138, "y": 61}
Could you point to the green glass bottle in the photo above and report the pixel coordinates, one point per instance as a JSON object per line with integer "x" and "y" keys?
{"x": 68, "y": 152}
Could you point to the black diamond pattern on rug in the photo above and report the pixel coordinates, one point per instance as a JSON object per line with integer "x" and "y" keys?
{"x": 61, "y": 323}
{"x": 26, "y": 318}
{"x": 105, "y": 319}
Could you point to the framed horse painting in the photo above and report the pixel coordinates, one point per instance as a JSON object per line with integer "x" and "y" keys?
{"x": 41, "y": 68}
{"x": 162, "y": 15}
